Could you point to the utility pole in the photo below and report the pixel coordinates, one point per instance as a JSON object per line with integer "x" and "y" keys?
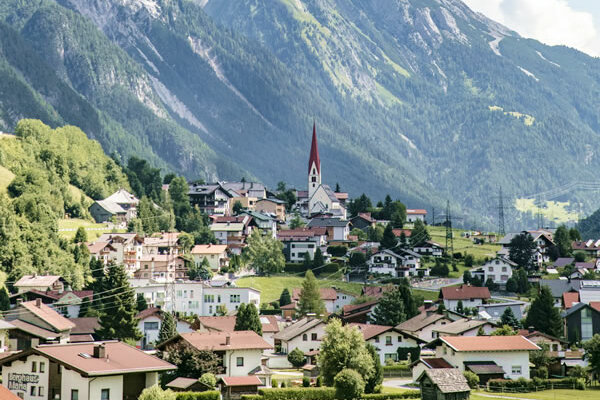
{"x": 433, "y": 216}
{"x": 449, "y": 236}
{"x": 501, "y": 229}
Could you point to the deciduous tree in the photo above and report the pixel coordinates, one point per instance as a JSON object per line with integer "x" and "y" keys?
{"x": 310, "y": 301}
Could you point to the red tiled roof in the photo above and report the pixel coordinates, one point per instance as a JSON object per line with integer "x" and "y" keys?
{"x": 84, "y": 325}
{"x": 350, "y": 308}
{"x": 291, "y": 306}
{"x": 55, "y": 294}
{"x": 419, "y": 211}
{"x": 341, "y": 195}
{"x": 398, "y": 232}
{"x": 269, "y": 323}
{"x": 80, "y": 338}
{"x": 48, "y": 315}
{"x": 221, "y": 324}
{"x": 370, "y": 331}
{"x": 96, "y": 247}
{"x": 489, "y": 343}
{"x": 251, "y": 380}
{"x": 595, "y": 305}
{"x": 569, "y": 298}
{"x": 149, "y": 312}
{"x": 376, "y": 291}
{"x": 6, "y": 394}
{"x": 326, "y": 294}
{"x": 464, "y": 292}
{"x": 216, "y": 341}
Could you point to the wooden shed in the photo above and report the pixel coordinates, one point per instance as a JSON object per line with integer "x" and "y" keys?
{"x": 233, "y": 387}
{"x": 443, "y": 384}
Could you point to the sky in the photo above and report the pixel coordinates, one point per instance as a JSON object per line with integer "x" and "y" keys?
{"x": 574, "y": 23}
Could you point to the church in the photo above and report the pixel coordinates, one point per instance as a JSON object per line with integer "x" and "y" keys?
{"x": 320, "y": 199}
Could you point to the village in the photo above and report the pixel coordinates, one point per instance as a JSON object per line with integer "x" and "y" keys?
{"x": 303, "y": 294}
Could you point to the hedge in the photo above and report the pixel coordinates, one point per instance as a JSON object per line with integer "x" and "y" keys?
{"x": 251, "y": 397}
{"x": 530, "y": 385}
{"x": 316, "y": 393}
{"x": 411, "y": 394}
{"x": 208, "y": 395}
{"x": 396, "y": 367}
{"x": 292, "y": 268}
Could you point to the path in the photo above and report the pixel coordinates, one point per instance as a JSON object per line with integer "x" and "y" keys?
{"x": 400, "y": 383}
{"x": 497, "y": 396}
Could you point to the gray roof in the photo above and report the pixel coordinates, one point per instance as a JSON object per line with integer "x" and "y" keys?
{"x": 330, "y": 193}
{"x": 563, "y": 261}
{"x": 559, "y": 286}
{"x": 484, "y": 367}
{"x": 325, "y": 222}
{"x": 297, "y": 328}
{"x": 460, "y": 326}
{"x": 111, "y": 206}
{"x": 419, "y": 322}
{"x": 448, "y": 380}
{"x": 122, "y": 196}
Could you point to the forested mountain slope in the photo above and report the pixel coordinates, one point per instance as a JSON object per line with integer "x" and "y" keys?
{"x": 423, "y": 99}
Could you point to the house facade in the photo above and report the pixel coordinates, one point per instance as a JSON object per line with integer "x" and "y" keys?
{"x": 387, "y": 340}
{"x": 211, "y": 199}
{"x": 499, "y": 270}
{"x": 415, "y": 214}
{"x": 305, "y": 334}
{"x": 216, "y": 254}
{"x": 468, "y": 296}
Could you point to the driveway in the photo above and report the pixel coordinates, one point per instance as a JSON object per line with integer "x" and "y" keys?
{"x": 398, "y": 383}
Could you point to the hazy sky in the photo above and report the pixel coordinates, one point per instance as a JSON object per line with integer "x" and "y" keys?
{"x": 574, "y": 23}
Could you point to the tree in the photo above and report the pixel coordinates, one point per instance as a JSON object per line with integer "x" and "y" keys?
{"x": 388, "y": 241}
{"x": 202, "y": 271}
{"x": 374, "y": 380}
{"x": 574, "y": 234}
{"x": 522, "y": 248}
{"x": 394, "y": 307}
{"x": 540, "y": 358}
{"x": 508, "y": 318}
{"x": 318, "y": 259}
{"x": 504, "y": 330}
{"x": 285, "y": 298}
{"x": 168, "y": 327}
{"x": 480, "y": 331}
{"x": 4, "y": 299}
{"x": 157, "y": 393}
{"x": 80, "y": 235}
{"x": 460, "y": 307}
{"x": 84, "y": 307}
{"x": 296, "y": 358}
{"x": 141, "y": 303}
{"x": 440, "y": 268}
{"x": 469, "y": 260}
{"x": 375, "y": 233}
{"x": 247, "y": 319}
{"x": 592, "y": 353}
{"x": 119, "y": 322}
{"x": 543, "y": 316}
{"x": 562, "y": 240}
{"x": 310, "y": 301}
{"x": 419, "y": 234}
{"x": 343, "y": 347}
{"x": 265, "y": 253}
{"x": 490, "y": 284}
{"x": 237, "y": 207}
{"x": 521, "y": 280}
{"x": 467, "y": 277}
{"x": 209, "y": 380}
{"x": 337, "y": 188}
{"x": 472, "y": 379}
{"x": 190, "y": 362}
{"x": 349, "y": 385}
{"x": 511, "y": 285}
{"x": 306, "y": 261}
{"x": 185, "y": 241}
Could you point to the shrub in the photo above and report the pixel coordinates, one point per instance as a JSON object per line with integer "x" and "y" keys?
{"x": 348, "y": 385}
{"x": 317, "y": 393}
{"x": 274, "y": 383}
{"x": 403, "y": 352}
{"x": 319, "y": 381}
{"x": 530, "y": 385}
{"x": 284, "y": 384}
{"x": 157, "y": 393}
{"x": 541, "y": 372}
{"x": 472, "y": 379}
{"x": 337, "y": 251}
{"x": 305, "y": 381}
{"x": 208, "y": 395}
{"x": 410, "y": 394}
{"x": 296, "y": 357}
{"x": 209, "y": 380}
{"x": 251, "y": 397}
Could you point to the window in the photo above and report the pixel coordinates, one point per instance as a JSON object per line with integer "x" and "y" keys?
{"x": 504, "y": 269}
{"x": 376, "y": 339}
{"x": 32, "y": 390}
{"x": 304, "y": 337}
{"x": 586, "y": 324}
{"x": 239, "y": 361}
{"x": 388, "y": 340}
{"x": 399, "y": 339}
{"x": 105, "y": 394}
{"x": 234, "y": 298}
{"x": 554, "y": 347}
{"x": 491, "y": 269}
{"x": 313, "y": 336}
{"x": 42, "y": 367}
{"x": 34, "y": 366}
{"x": 209, "y": 298}
{"x": 210, "y": 309}
{"x": 191, "y": 294}
{"x": 150, "y": 326}
{"x": 40, "y": 391}
{"x": 74, "y": 394}
{"x": 516, "y": 370}
{"x": 390, "y": 356}
{"x": 218, "y": 298}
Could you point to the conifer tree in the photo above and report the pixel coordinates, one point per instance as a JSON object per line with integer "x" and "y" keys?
{"x": 419, "y": 234}
{"x": 141, "y": 303}
{"x": 84, "y": 307}
{"x": 318, "y": 260}
{"x": 543, "y": 316}
{"x": 285, "y": 298}
{"x": 118, "y": 319}
{"x": 389, "y": 239}
{"x": 390, "y": 310}
{"x": 306, "y": 262}
{"x": 310, "y": 298}
{"x": 168, "y": 327}
{"x": 508, "y": 318}
{"x": 80, "y": 235}
{"x": 248, "y": 319}
{"x": 4, "y": 299}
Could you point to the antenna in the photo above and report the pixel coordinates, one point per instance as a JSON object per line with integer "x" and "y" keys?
{"x": 501, "y": 229}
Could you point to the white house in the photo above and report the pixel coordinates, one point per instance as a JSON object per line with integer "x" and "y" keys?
{"x": 269, "y": 323}
{"x": 465, "y": 327}
{"x": 498, "y": 269}
{"x": 415, "y": 214}
{"x": 402, "y": 263}
{"x": 305, "y": 334}
{"x": 387, "y": 340}
{"x": 119, "y": 248}
{"x": 429, "y": 248}
{"x": 103, "y": 370}
{"x": 469, "y": 296}
{"x": 216, "y": 254}
{"x": 228, "y": 296}
{"x": 507, "y": 355}
{"x": 149, "y": 323}
{"x": 424, "y": 325}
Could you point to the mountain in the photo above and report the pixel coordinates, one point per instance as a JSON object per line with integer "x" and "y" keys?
{"x": 422, "y": 99}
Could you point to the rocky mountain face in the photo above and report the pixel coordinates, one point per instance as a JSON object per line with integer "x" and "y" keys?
{"x": 422, "y": 99}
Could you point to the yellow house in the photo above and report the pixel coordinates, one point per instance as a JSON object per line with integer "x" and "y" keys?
{"x": 271, "y": 206}
{"x": 216, "y": 254}
{"x": 247, "y": 203}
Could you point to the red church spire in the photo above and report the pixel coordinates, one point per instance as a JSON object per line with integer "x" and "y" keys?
{"x": 314, "y": 152}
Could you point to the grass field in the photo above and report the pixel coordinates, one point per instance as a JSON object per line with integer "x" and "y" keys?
{"x": 5, "y": 178}
{"x": 556, "y": 394}
{"x": 68, "y": 227}
{"x": 427, "y": 294}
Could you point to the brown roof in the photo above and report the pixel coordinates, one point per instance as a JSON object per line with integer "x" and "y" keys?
{"x": 376, "y": 291}
{"x": 460, "y": 326}
{"x": 182, "y": 383}
{"x": 489, "y": 343}
{"x": 448, "y": 380}
{"x": 48, "y": 315}
{"x": 416, "y": 211}
{"x": 464, "y": 292}
{"x": 269, "y": 323}
{"x": 595, "y": 305}
{"x": 84, "y": 325}
{"x": 33, "y": 330}
{"x": 56, "y": 295}
{"x": 96, "y": 247}
{"x": 398, "y": 232}
{"x": 120, "y": 358}
{"x": 370, "y": 331}
{"x": 251, "y": 380}
{"x": 326, "y": 294}
{"x": 6, "y": 394}
{"x": 352, "y": 308}
{"x": 149, "y": 312}
{"x": 223, "y": 324}
{"x": 569, "y": 298}
{"x": 436, "y": 363}
{"x": 81, "y": 338}
{"x": 420, "y": 321}
{"x": 527, "y": 334}
{"x": 215, "y": 341}
{"x": 209, "y": 249}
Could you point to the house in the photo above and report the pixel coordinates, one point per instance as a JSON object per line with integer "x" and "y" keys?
{"x": 590, "y": 247}
{"x": 234, "y": 387}
{"x": 400, "y": 263}
{"x": 465, "y": 327}
{"x": 233, "y": 234}
{"x": 328, "y": 295}
{"x": 120, "y": 205}
{"x": 555, "y": 345}
{"x": 297, "y": 242}
{"x": 493, "y": 311}
{"x": 387, "y": 340}
{"x": 542, "y": 239}
{"x": 363, "y": 221}
{"x": 100, "y": 370}
{"x": 337, "y": 229}
{"x": 163, "y": 268}
{"x": 239, "y": 351}
{"x": 582, "y": 322}
{"x": 489, "y": 357}
{"x": 376, "y": 291}
{"x": 119, "y": 248}
{"x": 269, "y": 323}
{"x": 558, "y": 287}
{"x": 216, "y": 254}
{"x": 562, "y": 262}
{"x": 149, "y": 323}
{"x": 360, "y": 313}
{"x": 37, "y": 323}
{"x": 589, "y": 291}
{"x": 265, "y": 223}
{"x": 246, "y": 189}
{"x": 5, "y": 326}
{"x": 271, "y": 206}
{"x": 182, "y": 384}
{"x": 161, "y": 243}
{"x": 425, "y": 363}
{"x": 443, "y": 384}
{"x": 429, "y": 248}
{"x": 469, "y": 296}
{"x": 41, "y": 283}
{"x": 305, "y": 334}
{"x": 415, "y": 214}
{"x": 569, "y": 299}
{"x": 424, "y": 324}
{"x": 498, "y": 269}
{"x": 84, "y": 329}
{"x": 67, "y": 302}
{"x": 212, "y": 199}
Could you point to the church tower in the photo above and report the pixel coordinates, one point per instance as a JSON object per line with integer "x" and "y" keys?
{"x": 314, "y": 165}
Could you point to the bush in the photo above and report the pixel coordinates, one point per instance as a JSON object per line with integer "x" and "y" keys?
{"x": 305, "y": 381}
{"x": 208, "y": 395}
{"x": 294, "y": 268}
{"x": 284, "y": 384}
{"x": 541, "y": 372}
{"x": 318, "y": 393}
{"x": 156, "y": 393}
{"x": 251, "y": 397}
{"x": 530, "y": 385}
{"x": 337, "y": 251}
{"x": 296, "y": 357}
{"x": 209, "y": 380}
{"x": 319, "y": 381}
{"x": 396, "y": 367}
{"x": 411, "y": 394}
{"x": 403, "y": 352}
{"x": 274, "y": 383}
{"x": 472, "y": 379}
{"x": 329, "y": 268}
{"x": 348, "y": 385}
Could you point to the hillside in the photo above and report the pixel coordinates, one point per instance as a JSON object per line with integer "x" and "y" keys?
{"x": 423, "y": 99}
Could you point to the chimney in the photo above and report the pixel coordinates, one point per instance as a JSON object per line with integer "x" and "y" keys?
{"x": 531, "y": 329}
{"x": 227, "y": 340}
{"x": 100, "y": 351}
{"x": 19, "y": 301}
{"x": 38, "y": 303}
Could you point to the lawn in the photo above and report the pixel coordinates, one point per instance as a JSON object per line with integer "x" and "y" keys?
{"x": 427, "y": 294}
{"x": 387, "y": 389}
{"x": 68, "y": 227}
{"x": 5, "y": 178}
{"x": 556, "y": 394}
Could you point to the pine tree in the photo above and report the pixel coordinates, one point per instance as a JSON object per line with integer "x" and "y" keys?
{"x": 543, "y": 316}
{"x": 389, "y": 239}
{"x": 4, "y": 299}
{"x": 168, "y": 327}
{"x": 310, "y": 298}
{"x": 307, "y": 262}
{"x": 80, "y": 235}
{"x": 460, "y": 307}
{"x": 248, "y": 319}
{"x": 508, "y": 318}
{"x": 390, "y": 310}
{"x": 318, "y": 260}
{"x": 84, "y": 307}
{"x": 118, "y": 319}
{"x": 285, "y": 298}
{"x": 141, "y": 303}
{"x": 419, "y": 234}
